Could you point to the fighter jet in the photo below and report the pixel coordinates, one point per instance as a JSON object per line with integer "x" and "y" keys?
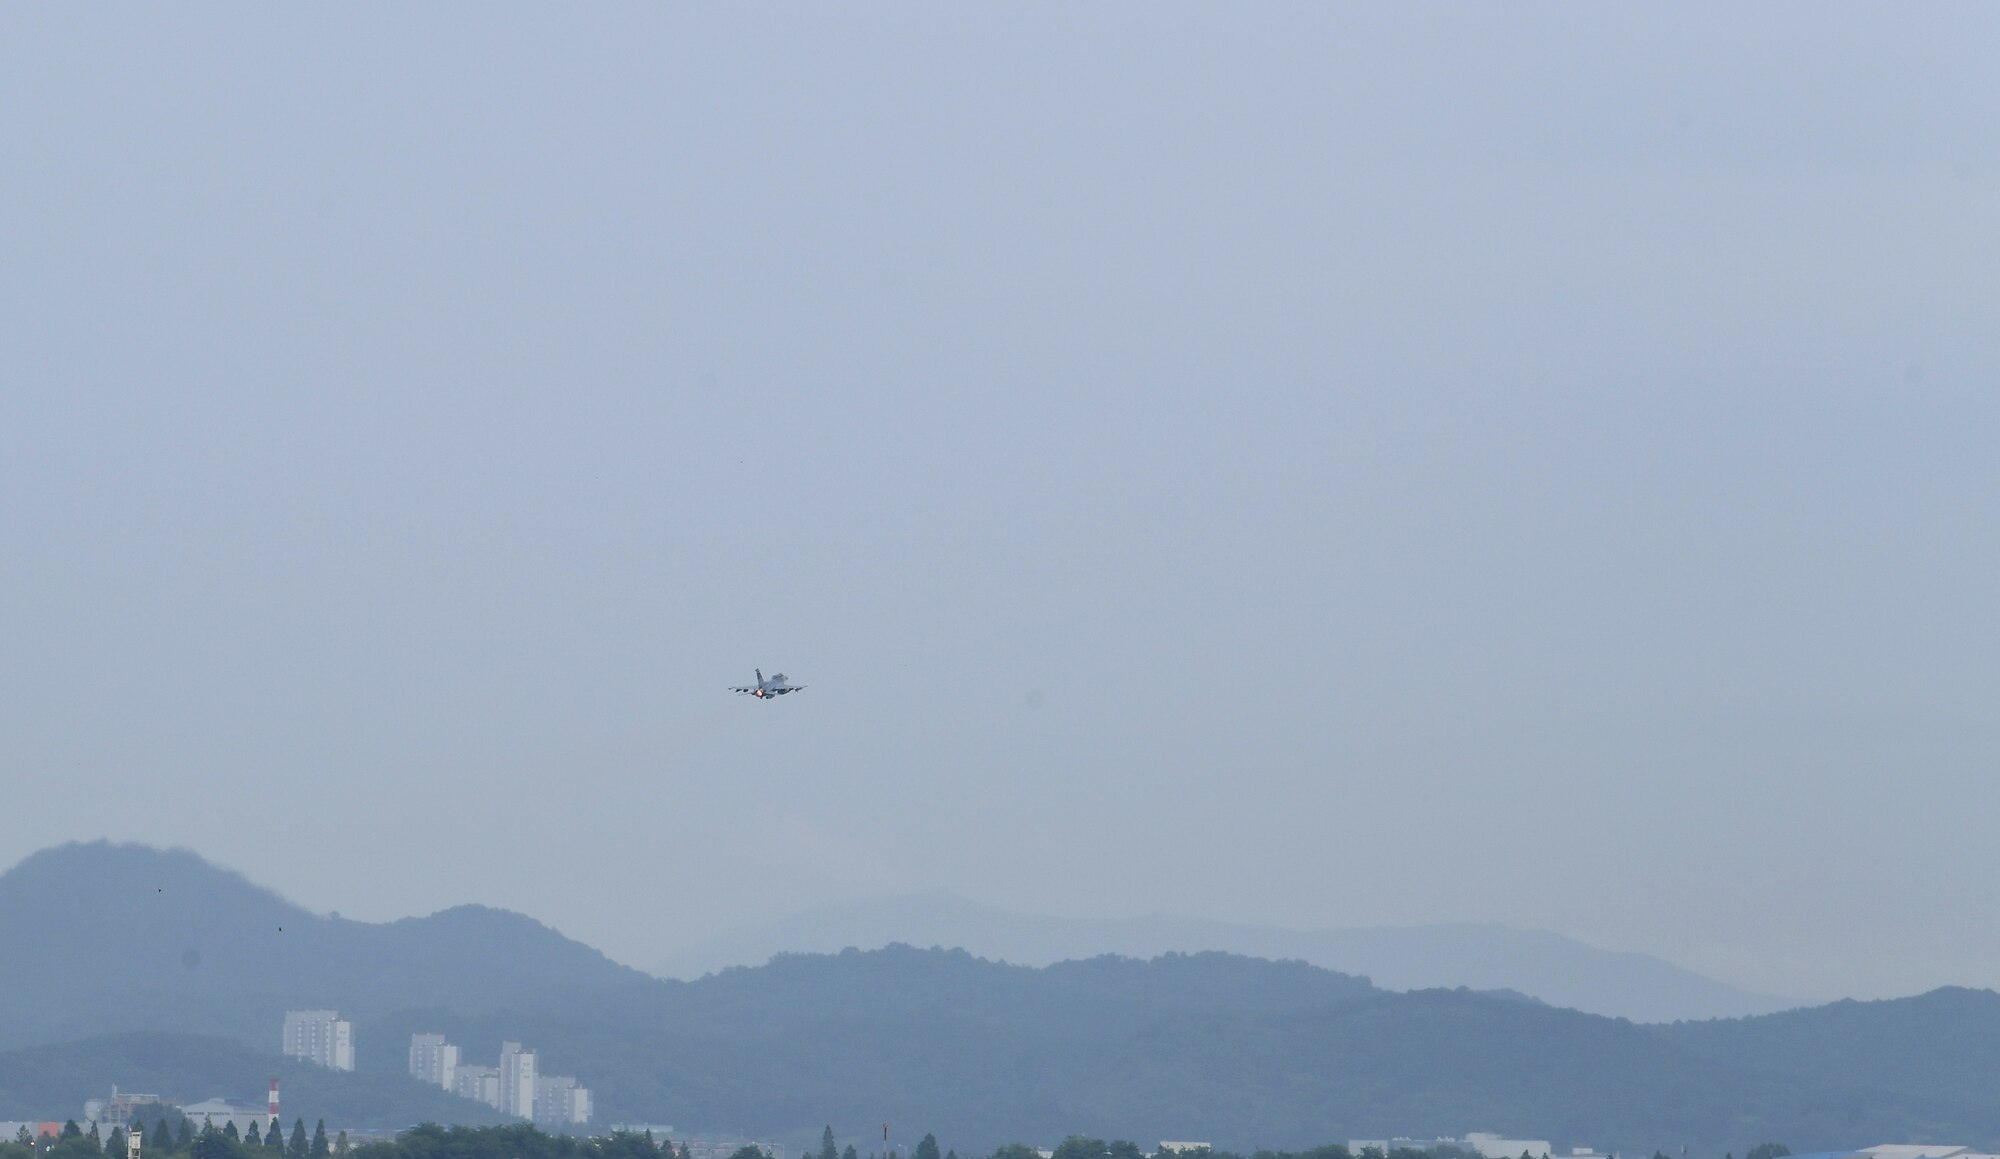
{"x": 766, "y": 689}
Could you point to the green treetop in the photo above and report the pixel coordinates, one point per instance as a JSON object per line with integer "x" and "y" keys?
{"x": 1082, "y": 1147}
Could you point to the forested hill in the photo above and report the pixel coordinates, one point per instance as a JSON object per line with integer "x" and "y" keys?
{"x": 128, "y": 937}
{"x": 1240, "y": 1051}
{"x": 53, "y": 1081}
{"x": 910, "y": 1036}
{"x": 133, "y": 938}
{"x": 1086, "y": 1000}
{"x": 1940, "y": 1045}
{"x": 1561, "y": 971}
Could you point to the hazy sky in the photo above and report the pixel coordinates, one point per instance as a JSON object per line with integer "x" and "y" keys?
{"x": 1317, "y": 464}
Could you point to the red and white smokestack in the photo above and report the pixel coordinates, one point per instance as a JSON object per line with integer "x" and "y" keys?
{"x": 272, "y": 1108}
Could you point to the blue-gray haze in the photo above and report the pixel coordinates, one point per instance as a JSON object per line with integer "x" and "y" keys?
{"x": 1322, "y": 465}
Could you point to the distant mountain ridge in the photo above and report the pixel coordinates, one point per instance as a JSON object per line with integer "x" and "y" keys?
{"x": 1241, "y": 1051}
{"x": 1941, "y": 1045}
{"x": 130, "y": 936}
{"x": 1558, "y": 970}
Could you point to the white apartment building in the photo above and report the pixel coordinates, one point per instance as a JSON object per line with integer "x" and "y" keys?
{"x": 481, "y": 1084}
{"x": 559, "y": 1101}
{"x": 517, "y": 1081}
{"x": 515, "y": 1087}
{"x": 320, "y": 1036}
{"x": 433, "y": 1060}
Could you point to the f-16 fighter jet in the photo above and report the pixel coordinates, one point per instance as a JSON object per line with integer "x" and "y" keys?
{"x": 766, "y": 689}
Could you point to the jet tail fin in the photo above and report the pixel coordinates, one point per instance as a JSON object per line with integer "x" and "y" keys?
{"x": 760, "y": 675}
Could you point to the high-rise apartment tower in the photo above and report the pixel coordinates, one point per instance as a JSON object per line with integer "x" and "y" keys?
{"x": 320, "y": 1036}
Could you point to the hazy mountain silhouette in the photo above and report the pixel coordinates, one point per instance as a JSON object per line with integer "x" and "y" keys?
{"x": 1238, "y": 1050}
{"x": 1235, "y": 1050}
{"x": 1558, "y": 970}
{"x": 1944, "y": 1044}
{"x": 107, "y": 938}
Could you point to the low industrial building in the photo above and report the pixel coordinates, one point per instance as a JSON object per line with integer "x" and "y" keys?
{"x": 225, "y": 1112}
{"x": 1485, "y": 1143}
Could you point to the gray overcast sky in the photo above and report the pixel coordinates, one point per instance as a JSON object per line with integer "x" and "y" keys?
{"x": 1313, "y": 464}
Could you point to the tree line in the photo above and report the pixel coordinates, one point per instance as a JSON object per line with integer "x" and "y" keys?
{"x": 175, "y": 1135}
{"x": 178, "y": 1138}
